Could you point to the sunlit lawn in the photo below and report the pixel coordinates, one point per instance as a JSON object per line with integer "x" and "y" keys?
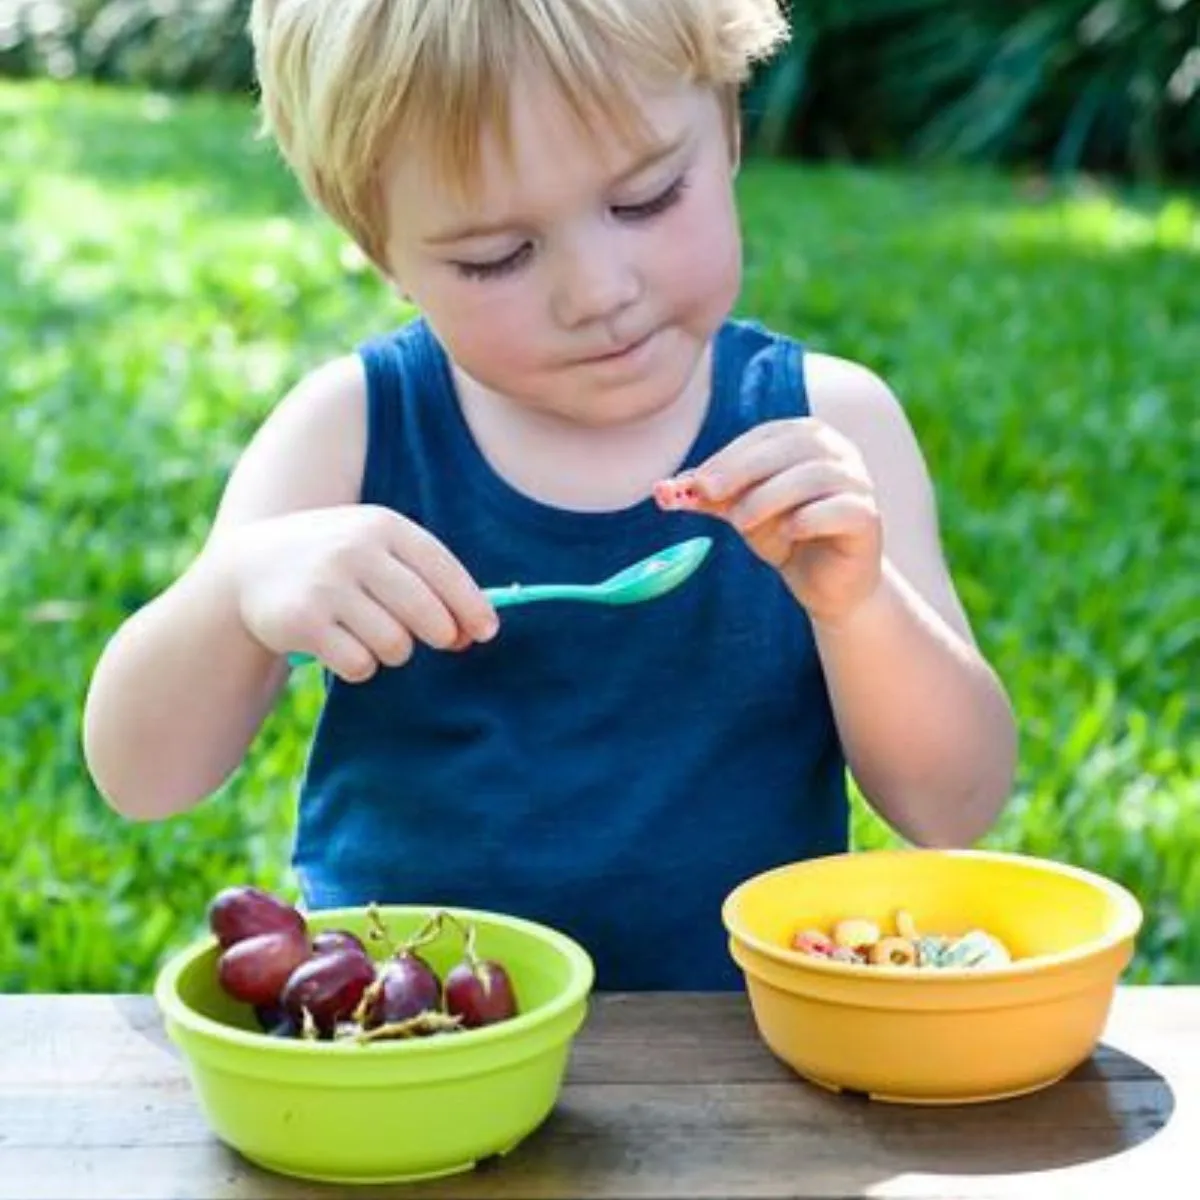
{"x": 161, "y": 284}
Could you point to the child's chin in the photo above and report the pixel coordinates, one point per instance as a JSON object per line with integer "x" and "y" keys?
{"x": 627, "y": 405}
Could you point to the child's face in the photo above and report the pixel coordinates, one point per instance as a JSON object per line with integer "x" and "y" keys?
{"x": 586, "y": 280}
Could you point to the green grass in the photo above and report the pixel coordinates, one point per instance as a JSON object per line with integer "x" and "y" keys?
{"x": 161, "y": 283}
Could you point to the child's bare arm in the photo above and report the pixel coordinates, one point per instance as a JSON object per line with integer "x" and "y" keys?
{"x": 294, "y": 562}
{"x": 181, "y": 690}
{"x": 927, "y": 724}
{"x": 841, "y": 504}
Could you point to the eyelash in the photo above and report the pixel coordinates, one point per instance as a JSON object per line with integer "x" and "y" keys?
{"x": 493, "y": 270}
{"x": 665, "y": 199}
{"x": 655, "y": 206}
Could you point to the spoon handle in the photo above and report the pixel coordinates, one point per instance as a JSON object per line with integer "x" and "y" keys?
{"x": 510, "y": 597}
{"x": 517, "y": 593}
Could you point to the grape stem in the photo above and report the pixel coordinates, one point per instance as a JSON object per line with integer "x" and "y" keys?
{"x": 377, "y": 931}
{"x": 468, "y": 933}
{"x": 429, "y": 932}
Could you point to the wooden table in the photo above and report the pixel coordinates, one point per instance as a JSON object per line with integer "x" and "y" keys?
{"x": 667, "y": 1096}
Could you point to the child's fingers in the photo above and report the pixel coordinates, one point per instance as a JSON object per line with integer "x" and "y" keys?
{"x": 765, "y": 451}
{"x": 796, "y": 486}
{"x": 411, "y": 601}
{"x": 375, "y": 628}
{"x": 345, "y": 655}
{"x": 846, "y": 515}
{"x": 447, "y": 577}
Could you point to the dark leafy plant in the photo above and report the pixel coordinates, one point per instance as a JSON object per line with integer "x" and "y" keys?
{"x": 181, "y": 44}
{"x": 1102, "y": 84}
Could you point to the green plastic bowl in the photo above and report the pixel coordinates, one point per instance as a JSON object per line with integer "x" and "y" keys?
{"x": 390, "y": 1111}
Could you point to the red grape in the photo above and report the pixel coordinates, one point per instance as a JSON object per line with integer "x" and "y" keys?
{"x": 480, "y": 992}
{"x": 329, "y": 986}
{"x": 256, "y": 968}
{"x": 236, "y": 913}
{"x": 406, "y": 986}
{"x": 276, "y": 1022}
{"x": 338, "y": 939}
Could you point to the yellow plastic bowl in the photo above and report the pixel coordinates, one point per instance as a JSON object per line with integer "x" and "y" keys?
{"x": 392, "y": 1110}
{"x": 934, "y": 1036}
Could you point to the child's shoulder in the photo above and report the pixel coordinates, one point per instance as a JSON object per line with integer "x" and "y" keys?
{"x": 842, "y": 391}
{"x": 855, "y": 401}
{"x": 858, "y": 403}
{"x": 837, "y": 390}
{"x": 308, "y": 452}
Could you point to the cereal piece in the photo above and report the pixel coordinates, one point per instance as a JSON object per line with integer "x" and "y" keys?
{"x": 847, "y": 954}
{"x": 931, "y": 950}
{"x": 856, "y": 932}
{"x": 677, "y": 494}
{"x": 894, "y": 952}
{"x": 906, "y": 927}
{"x": 976, "y": 949}
{"x": 812, "y": 941}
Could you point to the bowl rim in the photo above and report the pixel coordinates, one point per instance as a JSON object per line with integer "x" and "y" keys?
{"x": 1128, "y": 921}
{"x": 579, "y": 985}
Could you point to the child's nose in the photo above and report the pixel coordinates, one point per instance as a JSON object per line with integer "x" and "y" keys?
{"x": 595, "y": 285}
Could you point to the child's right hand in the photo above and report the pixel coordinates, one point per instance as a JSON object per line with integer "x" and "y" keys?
{"x": 357, "y": 586}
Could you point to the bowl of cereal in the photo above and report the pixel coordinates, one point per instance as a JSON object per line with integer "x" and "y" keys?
{"x": 927, "y": 976}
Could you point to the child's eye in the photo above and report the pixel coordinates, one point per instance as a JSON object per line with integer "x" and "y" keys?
{"x": 500, "y": 266}
{"x": 655, "y": 205}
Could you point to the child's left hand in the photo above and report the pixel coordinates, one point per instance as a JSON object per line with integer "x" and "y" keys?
{"x": 799, "y": 493}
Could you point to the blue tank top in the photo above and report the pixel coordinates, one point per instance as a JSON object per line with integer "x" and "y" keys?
{"x": 612, "y": 772}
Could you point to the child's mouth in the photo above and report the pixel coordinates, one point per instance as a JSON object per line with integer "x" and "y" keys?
{"x": 621, "y": 352}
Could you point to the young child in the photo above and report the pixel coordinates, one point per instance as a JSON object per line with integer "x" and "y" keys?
{"x": 550, "y": 182}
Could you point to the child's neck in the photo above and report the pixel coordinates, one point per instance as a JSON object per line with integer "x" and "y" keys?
{"x": 578, "y": 467}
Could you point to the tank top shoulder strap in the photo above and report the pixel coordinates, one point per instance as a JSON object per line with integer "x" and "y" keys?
{"x": 760, "y": 373}
{"x": 404, "y": 374}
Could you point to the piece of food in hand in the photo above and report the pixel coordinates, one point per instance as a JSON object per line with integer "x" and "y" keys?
{"x": 679, "y": 494}
{"x": 240, "y": 912}
{"x": 255, "y": 969}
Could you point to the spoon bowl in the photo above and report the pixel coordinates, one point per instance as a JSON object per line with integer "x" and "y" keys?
{"x": 645, "y": 580}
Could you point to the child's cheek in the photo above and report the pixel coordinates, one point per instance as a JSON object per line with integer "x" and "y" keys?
{"x": 494, "y": 338}
{"x": 706, "y": 283}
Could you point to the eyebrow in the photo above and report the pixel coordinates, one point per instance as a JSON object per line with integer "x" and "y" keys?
{"x": 463, "y": 233}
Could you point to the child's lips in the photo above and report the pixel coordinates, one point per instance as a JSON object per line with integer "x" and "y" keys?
{"x": 624, "y": 351}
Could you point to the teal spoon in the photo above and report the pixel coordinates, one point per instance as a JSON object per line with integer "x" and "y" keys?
{"x": 645, "y": 580}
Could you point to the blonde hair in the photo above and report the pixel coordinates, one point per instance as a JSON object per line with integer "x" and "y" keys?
{"x": 344, "y": 81}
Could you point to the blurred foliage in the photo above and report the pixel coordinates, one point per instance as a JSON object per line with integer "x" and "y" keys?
{"x": 177, "y": 44}
{"x": 1110, "y": 85}
{"x": 162, "y": 282}
{"x": 1104, "y": 84}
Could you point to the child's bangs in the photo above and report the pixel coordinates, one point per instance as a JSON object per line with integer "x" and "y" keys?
{"x": 462, "y": 81}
